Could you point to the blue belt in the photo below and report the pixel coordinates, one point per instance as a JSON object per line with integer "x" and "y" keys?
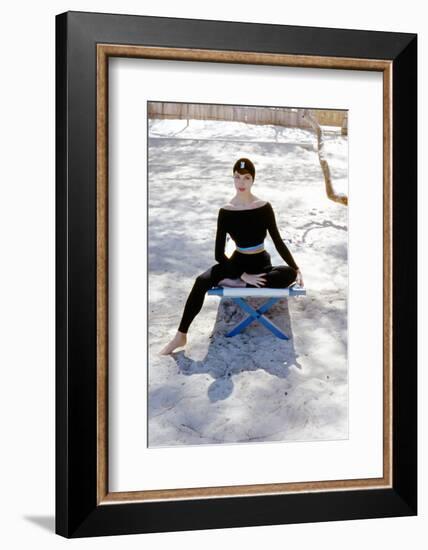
{"x": 251, "y": 249}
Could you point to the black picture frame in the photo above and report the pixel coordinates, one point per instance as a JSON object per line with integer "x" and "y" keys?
{"x": 79, "y": 513}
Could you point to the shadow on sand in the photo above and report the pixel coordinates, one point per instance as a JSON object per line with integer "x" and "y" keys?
{"x": 255, "y": 348}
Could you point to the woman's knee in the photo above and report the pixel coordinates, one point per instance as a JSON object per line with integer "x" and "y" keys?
{"x": 213, "y": 275}
{"x": 287, "y": 269}
{"x": 283, "y": 275}
{"x": 203, "y": 279}
{"x": 290, "y": 274}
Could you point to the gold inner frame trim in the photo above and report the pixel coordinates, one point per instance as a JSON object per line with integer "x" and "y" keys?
{"x": 104, "y": 51}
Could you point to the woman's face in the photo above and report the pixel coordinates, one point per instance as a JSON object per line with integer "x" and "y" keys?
{"x": 243, "y": 182}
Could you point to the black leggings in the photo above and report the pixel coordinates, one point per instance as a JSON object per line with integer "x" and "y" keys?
{"x": 280, "y": 276}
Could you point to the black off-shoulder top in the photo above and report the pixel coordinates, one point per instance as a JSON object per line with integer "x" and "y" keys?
{"x": 249, "y": 228}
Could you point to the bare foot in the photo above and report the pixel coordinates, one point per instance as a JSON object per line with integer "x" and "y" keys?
{"x": 232, "y": 282}
{"x": 180, "y": 339}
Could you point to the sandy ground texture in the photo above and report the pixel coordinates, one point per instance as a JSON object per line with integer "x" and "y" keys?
{"x": 252, "y": 387}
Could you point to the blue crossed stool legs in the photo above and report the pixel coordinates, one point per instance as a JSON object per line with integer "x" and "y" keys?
{"x": 239, "y": 296}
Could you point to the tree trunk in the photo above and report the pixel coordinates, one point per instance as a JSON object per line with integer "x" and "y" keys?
{"x": 331, "y": 193}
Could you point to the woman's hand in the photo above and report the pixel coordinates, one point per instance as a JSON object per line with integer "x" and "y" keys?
{"x": 299, "y": 278}
{"x": 254, "y": 279}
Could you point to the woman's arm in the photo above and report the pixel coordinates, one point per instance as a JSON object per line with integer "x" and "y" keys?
{"x": 220, "y": 240}
{"x": 277, "y": 240}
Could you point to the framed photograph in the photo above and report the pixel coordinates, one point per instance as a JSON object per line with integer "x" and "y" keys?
{"x": 236, "y": 264}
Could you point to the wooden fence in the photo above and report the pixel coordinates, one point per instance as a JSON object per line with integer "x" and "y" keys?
{"x": 281, "y": 116}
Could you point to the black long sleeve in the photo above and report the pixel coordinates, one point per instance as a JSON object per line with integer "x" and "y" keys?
{"x": 277, "y": 240}
{"x": 220, "y": 240}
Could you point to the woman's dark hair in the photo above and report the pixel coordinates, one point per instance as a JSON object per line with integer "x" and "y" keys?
{"x": 244, "y": 166}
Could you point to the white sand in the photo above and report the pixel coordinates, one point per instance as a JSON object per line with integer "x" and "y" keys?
{"x": 253, "y": 386}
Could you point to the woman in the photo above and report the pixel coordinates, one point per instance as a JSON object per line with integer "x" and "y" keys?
{"x": 246, "y": 218}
